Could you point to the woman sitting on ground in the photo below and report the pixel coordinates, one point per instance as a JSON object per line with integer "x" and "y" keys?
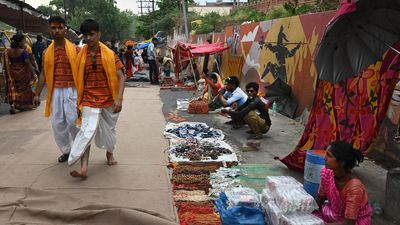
{"x": 347, "y": 199}
{"x": 213, "y": 84}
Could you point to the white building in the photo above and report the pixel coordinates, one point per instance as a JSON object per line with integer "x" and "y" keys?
{"x": 222, "y": 7}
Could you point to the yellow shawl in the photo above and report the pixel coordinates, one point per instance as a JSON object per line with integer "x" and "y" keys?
{"x": 108, "y": 61}
{"x": 49, "y": 69}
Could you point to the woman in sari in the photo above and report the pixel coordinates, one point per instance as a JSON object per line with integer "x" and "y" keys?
{"x": 347, "y": 200}
{"x": 128, "y": 58}
{"x": 19, "y": 74}
{"x": 213, "y": 84}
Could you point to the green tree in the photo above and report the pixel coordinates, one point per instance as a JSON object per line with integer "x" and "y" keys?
{"x": 114, "y": 24}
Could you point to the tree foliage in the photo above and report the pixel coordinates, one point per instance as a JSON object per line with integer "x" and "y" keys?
{"x": 165, "y": 18}
{"x": 114, "y": 24}
{"x": 213, "y": 22}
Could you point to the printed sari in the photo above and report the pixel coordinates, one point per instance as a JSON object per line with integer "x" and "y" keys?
{"x": 19, "y": 80}
{"x": 351, "y": 202}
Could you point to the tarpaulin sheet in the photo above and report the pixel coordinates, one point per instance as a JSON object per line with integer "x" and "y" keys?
{"x": 202, "y": 49}
{"x": 36, "y": 189}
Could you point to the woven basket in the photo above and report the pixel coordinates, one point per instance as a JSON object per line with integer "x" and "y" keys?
{"x": 198, "y": 107}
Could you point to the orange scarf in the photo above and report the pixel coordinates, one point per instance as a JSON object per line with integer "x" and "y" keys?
{"x": 49, "y": 69}
{"x": 108, "y": 61}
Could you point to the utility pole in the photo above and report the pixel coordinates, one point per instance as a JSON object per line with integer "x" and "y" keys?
{"x": 65, "y": 17}
{"x": 185, "y": 22}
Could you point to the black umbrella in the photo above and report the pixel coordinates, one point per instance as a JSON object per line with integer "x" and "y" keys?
{"x": 358, "y": 39}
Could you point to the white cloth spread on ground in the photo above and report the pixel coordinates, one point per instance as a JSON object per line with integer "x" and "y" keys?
{"x": 97, "y": 123}
{"x": 63, "y": 117}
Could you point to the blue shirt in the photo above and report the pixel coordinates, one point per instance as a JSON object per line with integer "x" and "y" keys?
{"x": 237, "y": 95}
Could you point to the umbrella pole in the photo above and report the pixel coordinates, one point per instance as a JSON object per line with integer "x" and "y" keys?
{"x": 218, "y": 67}
{"x": 194, "y": 75}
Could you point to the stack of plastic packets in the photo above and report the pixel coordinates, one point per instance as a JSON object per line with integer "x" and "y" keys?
{"x": 243, "y": 196}
{"x": 223, "y": 180}
{"x": 286, "y": 202}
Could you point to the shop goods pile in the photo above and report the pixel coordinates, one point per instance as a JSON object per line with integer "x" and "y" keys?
{"x": 190, "y": 196}
{"x": 287, "y": 203}
{"x": 182, "y": 104}
{"x": 197, "y": 213}
{"x": 243, "y": 196}
{"x": 198, "y": 107}
{"x": 222, "y": 180}
{"x": 204, "y": 150}
{"x": 240, "y": 206}
{"x": 191, "y": 179}
{"x": 196, "y": 150}
{"x": 192, "y": 130}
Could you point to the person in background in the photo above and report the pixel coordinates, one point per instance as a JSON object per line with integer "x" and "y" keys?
{"x": 232, "y": 96}
{"x": 19, "y": 74}
{"x": 151, "y": 58}
{"x": 167, "y": 66}
{"x": 342, "y": 197}
{"x": 113, "y": 47}
{"x": 37, "y": 49}
{"x": 260, "y": 122}
{"x": 137, "y": 61}
{"x": 60, "y": 72}
{"x": 32, "y": 58}
{"x": 128, "y": 59}
{"x": 100, "y": 92}
{"x": 213, "y": 84}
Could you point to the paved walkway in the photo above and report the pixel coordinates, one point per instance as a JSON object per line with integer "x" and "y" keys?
{"x": 36, "y": 189}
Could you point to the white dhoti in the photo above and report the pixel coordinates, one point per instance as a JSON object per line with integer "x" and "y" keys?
{"x": 97, "y": 123}
{"x": 63, "y": 117}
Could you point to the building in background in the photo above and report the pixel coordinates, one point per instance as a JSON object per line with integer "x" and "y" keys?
{"x": 220, "y": 7}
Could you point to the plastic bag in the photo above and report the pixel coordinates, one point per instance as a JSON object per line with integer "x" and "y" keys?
{"x": 243, "y": 196}
{"x": 273, "y": 182}
{"x": 239, "y": 215}
{"x": 266, "y": 196}
{"x": 294, "y": 200}
{"x": 182, "y": 104}
{"x": 301, "y": 219}
{"x": 273, "y": 213}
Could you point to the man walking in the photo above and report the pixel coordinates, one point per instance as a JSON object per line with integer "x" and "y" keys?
{"x": 151, "y": 57}
{"x": 60, "y": 71}
{"x": 100, "y": 89}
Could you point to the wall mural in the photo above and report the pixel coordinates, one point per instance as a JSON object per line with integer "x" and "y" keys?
{"x": 284, "y": 48}
{"x": 352, "y": 110}
{"x": 281, "y": 50}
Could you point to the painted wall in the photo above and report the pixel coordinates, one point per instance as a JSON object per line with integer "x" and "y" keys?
{"x": 282, "y": 48}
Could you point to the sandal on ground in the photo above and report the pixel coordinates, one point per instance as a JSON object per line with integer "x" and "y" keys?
{"x": 63, "y": 158}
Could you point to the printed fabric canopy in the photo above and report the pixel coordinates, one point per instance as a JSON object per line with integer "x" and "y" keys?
{"x": 183, "y": 52}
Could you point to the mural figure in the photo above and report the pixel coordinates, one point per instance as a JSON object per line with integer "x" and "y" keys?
{"x": 281, "y": 52}
{"x": 236, "y": 40}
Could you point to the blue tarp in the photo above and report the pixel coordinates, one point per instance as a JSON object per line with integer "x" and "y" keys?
{"x": 143, "y": 45}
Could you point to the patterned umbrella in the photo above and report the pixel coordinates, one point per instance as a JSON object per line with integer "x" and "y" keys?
{"x": 358, "y": 37}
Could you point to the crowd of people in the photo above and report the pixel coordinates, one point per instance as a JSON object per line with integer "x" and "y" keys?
{"x": 342, "y": 197}
{"x": 91, "y": 79}
{"x": 85, "y": 86}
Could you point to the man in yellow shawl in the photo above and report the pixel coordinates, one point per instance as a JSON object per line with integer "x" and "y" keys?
{"x": 60, "y": 71}
{"x": 100, "y": 87}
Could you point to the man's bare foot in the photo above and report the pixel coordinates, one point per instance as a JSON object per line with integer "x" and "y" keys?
{"x": 81, "y": 174}
{"x": 110, "y": 159}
